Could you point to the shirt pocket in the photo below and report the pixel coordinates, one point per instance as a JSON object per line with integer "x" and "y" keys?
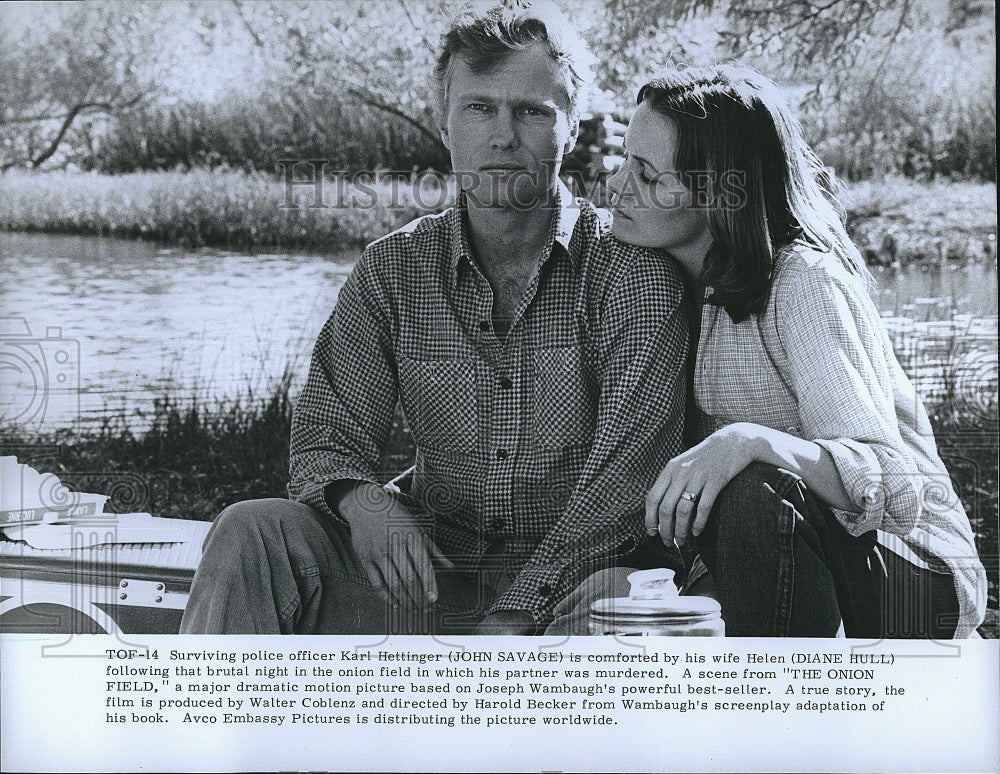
{"x": 565, "y": 410}
{"x": 439, "y": 401}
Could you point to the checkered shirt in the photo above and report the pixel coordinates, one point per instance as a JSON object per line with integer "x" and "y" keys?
{"x": 538, "y": 447}
{"x": 818, "y": 364}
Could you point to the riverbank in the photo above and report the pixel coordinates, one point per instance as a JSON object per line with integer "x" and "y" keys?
{"x": 893, "y": 220}
{"x": 230, "y": 209}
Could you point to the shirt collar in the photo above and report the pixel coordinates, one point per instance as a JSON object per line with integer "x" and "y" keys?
{"x": 560, "y": 232}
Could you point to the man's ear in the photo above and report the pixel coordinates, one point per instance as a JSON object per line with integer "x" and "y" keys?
{"x": 574, "y": 132}
{"x": 443, "y": 130}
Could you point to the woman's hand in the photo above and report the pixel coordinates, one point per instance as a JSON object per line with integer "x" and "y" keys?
{"x": 678, "y": 505}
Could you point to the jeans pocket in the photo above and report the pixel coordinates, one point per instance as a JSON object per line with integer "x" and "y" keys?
{"x": 565, "y": 398}
{"x": 439, "y": 401}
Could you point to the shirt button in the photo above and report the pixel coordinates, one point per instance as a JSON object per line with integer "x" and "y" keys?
{"x": 545, "y": 589}
{"x": 485, "y": 326}
{"x": 793, "y": 430}
{"x": 497, "y": 525}
{"x": 507, "y": 383}
{"x": 502, "y": 454}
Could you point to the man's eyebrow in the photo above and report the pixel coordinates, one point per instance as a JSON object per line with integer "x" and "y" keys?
{"x": 540, "y": 102}
{"x": 474, "y": 96}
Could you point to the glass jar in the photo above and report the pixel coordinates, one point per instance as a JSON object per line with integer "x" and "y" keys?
{"x": 672, "y": 617}
{"x": 655, "y": 608}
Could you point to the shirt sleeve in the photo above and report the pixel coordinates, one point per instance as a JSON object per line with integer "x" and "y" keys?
{"x": 343, "y": 415}
{"x": 842, "y": 375}
{"x": 643, "y": 345}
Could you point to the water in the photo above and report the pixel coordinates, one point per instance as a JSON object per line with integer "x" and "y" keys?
{"x": 96, "y": 325}
{"x": 114, "y": 323}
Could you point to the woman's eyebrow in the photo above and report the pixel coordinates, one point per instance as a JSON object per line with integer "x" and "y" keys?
{"x": 641, "y": 159}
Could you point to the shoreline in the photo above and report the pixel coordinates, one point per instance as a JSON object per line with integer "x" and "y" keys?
{"x": 895, "y": 221}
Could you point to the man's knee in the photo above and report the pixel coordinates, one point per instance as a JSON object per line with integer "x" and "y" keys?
{"x": 267, "y": 520}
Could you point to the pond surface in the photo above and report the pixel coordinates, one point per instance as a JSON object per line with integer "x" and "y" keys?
{"x": 96, "y": 325}
{"x": 126, "y": 321}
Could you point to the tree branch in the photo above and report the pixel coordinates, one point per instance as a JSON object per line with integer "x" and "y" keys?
{"x": 370, "y": 99}
{"x": 816, "y": 11}
{"x": 423, "y": 37}
{"x": 68, "y": 122}
{"x": 258, "y": 41}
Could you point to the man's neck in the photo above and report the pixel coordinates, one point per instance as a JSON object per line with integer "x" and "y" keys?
{"x": 500, "y": 237}
{"x": 508, "y": 247}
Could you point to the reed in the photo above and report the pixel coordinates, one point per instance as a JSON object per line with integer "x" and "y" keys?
{"x": 228, "y": 208}
{"x": 893, "y": 221}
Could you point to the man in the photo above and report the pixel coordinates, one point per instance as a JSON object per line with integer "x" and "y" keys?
{"x": 539, "y": 362}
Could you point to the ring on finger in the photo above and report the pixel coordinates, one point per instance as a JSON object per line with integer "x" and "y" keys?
{"x": 689, "y": 496}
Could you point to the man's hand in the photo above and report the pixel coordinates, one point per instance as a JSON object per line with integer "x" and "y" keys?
{"x": 507, "y": 622}
{"x": 395, "y": 553}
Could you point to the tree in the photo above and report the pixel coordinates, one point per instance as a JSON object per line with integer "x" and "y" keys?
{"x": 378, "y": 55}
{"x": 66, "y": 68}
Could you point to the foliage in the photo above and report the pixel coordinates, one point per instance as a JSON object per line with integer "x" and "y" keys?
{"x": 202, "y": 207}
{"x": 63, "y": 69}
{"x": 926, "y": 108}
{"x": 891, "y": 85}
{"x": 244, "y": 132}
{"x": 900, "y": 220}
{"x": 194, "y": 457}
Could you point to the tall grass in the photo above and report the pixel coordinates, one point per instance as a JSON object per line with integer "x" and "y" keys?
{"x": 222, "y": 207}
{"x": 894, "y": 220}
{"x": 897, "y": 220}
{"x": 254, "y": 132}
{"x": 923, "y": 108}
{"x": 194, "y": 456}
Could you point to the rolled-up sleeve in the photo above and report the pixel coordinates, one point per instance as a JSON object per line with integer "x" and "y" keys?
{"x": 841, "y": 375}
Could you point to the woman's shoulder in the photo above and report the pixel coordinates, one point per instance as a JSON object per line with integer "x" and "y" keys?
{"x": 803, "y": 274}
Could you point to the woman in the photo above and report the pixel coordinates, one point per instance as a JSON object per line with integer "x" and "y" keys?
{"x": 815, "y": 495}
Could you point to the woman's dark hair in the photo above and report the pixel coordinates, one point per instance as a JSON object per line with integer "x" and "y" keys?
{"x": 766, "y": 188}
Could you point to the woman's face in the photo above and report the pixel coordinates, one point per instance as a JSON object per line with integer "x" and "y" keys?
{"x": 651, "y": 206}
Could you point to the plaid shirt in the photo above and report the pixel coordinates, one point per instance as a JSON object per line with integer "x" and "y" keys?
{"x": 818, "y": 364}
{"x": 538, "y": 447}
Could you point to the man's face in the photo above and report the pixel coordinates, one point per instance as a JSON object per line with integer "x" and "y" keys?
{"x": 508, "y": 129}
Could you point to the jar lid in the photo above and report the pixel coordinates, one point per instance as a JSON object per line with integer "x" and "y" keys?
{"x": 670, "y": 607}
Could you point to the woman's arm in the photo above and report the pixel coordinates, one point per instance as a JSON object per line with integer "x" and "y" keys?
{"x": 823, "y": 335}
{"x": 705, "y": 469}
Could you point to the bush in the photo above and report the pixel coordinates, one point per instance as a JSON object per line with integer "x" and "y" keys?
{"x": 924, "y": 108}
{"x": 255, "y": 134}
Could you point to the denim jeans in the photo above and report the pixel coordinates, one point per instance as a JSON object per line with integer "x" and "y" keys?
{"x": 277, "y": 567}
{"x": 783, "y": 566}
{"x": 776, "y": 559}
